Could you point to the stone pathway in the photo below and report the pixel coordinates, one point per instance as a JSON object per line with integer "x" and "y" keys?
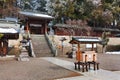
{"x": 7, "y": 57}
{"x": 91, "y": 75}
{"x": 35, "y": 69}
{"x": 24, "y": 55}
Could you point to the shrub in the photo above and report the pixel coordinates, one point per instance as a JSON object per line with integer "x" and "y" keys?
{"x": 113, "y": 48}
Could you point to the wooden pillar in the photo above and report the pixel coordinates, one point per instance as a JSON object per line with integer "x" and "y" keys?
{"x": 45, "y": 26}
{"x": 79, "y": 54}
{"x": 43, "y": 29}
{"x": 5, "y": 47}
{"x": 92, "y": 47}
{"x": 0, "y": 47}
{"x": 27, "y": 27}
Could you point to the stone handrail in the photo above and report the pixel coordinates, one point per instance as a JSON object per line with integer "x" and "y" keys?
{"x": 31, "y": 45}
{"x": 51, "y": 45}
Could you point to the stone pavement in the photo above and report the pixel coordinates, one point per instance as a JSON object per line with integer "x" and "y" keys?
{"x": 24, "y": 55}
{"x": 7, "y": 57}
{"x": 90, "y": 75}
{"x": 35, "y": 69}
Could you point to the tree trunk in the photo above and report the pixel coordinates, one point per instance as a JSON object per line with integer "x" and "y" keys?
{"x": 104, "y": 49}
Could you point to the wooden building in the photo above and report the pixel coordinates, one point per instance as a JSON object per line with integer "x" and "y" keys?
{"x": 8, "y": 30}
{"x": 74, "y": 30}
{"x": 86, "y": 58}
{"x": 80, "y": 28}
{"x": 36, "y": 23}
{"x": 97, "y": 31}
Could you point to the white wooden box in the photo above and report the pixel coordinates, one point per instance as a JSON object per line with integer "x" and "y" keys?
{"x": 89, "y": 56}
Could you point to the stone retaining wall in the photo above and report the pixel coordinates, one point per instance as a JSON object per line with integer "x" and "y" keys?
{"x": 68, "y": 47}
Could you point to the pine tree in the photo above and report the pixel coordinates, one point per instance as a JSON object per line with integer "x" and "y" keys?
{"x": 8, "y": 8}
{"x": 33, "y": 5}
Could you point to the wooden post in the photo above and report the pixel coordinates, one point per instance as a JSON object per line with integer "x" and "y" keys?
{"x": 5, "y": 47}
{"x": 78, "y": 54}
{"x": 92, "y": 47}
{"x": 45, "y": 26}
{"x": 85, "y": 58}
{"x": 27, "y": 27}
{"x": 0, "y": 47}
{"x": 42, "y": 29}
{"x": 94, "y": 57}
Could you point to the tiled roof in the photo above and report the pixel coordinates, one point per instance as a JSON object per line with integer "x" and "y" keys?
{"x": 85, "y": 40}
{"x": 10, "y": 25}
{"x": 8, "y": 30}
{"x": 69, "y": 26}
{"x": 32, "y": 14}
{"x": 86, "y": 27}
{"x": 105, "y": 29}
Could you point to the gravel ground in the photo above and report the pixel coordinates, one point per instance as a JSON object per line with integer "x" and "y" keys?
{"x": 107, "y": 61}
{"x": 35, "y": 69}
{"x": 39, "y": 69}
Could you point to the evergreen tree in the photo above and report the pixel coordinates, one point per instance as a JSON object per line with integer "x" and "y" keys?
{"x": 32, "y": 5}
{"x": 8, "y": 8}
{"x": 105, "y": 40}
{"x": 97, "y": 13}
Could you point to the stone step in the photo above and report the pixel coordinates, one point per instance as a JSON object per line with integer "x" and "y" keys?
{"x": 8, "y": 57}
{"x": 24, "y": 55}
{"x": 23, "y": 59}
{"x": 41, "y": 48}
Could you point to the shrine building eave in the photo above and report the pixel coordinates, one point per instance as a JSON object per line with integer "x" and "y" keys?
{"x": 8, "y": 30}
{"x": 36, "y": 15}
{"x": 85, "y": 40}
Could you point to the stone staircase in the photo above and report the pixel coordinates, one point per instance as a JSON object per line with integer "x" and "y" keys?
{"x": 24, "y": 55}
{"x": 40, "y": 46}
